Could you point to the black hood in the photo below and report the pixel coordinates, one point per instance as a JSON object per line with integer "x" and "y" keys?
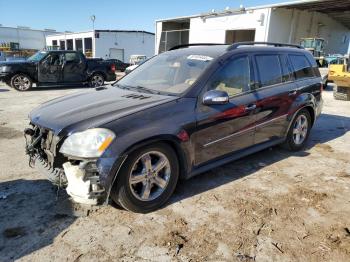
{"x": 92, "y": 108}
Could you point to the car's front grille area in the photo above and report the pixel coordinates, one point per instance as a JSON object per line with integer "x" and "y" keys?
{"x": 43, "y": 144}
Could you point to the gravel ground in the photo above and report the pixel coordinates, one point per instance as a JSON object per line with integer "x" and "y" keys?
{"x": 271, "y": 206}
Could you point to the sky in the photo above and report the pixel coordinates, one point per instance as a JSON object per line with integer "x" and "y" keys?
{"x": 74, "y": 15}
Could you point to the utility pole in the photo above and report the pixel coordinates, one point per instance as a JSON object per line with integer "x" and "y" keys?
{"x": 93, "y": 18}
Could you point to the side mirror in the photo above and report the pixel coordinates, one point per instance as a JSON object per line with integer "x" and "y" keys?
{"x": 215, "y": 97}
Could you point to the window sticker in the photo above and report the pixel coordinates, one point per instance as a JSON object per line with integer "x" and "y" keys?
{"x": 200, "y": 57}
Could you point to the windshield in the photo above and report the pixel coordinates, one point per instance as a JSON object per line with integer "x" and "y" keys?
{"x": 169, "y": 72}
{"x": 37, "y": 56}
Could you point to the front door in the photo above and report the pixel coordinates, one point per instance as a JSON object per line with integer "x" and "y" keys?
{"x": 222, "y": 129}
{"x": 73, "y": 68}
{"x": 50, "y": 69}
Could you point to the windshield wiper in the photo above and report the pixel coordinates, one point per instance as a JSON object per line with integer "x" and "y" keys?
{"x": 147, "y": 90}
{"x": 121, "y": 86}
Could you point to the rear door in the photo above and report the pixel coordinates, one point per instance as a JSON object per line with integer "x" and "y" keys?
{"x": 276, "y": 91}
{"x": 223, "y": 129}
{"x": 50, "y": 68}
{"x": 74, "y": 67}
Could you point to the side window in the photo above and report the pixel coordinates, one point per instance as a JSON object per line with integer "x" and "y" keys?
{"x": 233, "y": 77}
{"x": 269, "y": 69}
{"x": 302, "y": 67}
{"x": 52, "y": 59}
{"x": 72, "y": 57}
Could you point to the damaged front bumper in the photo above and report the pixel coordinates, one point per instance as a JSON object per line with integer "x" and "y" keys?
{"x": 80, "y": 177}
{"x": 83, "y": 183}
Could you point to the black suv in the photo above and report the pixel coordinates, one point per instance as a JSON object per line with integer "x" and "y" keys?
{"x": 179, "y": 114}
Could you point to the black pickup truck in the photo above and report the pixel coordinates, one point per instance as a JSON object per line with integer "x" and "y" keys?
{"x": 53, "y": 68}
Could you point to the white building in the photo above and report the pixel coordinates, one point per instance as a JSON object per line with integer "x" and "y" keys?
{"x": 119, "y": 44}
{"x": 285, "y": 22}
{"x": 26, "y": 37}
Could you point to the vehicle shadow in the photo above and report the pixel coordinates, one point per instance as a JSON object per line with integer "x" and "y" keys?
{"x": 31, "y": 217}
{"x": 327, "y": 128}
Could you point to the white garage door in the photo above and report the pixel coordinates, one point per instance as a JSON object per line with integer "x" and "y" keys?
{"x": 116, "y": 53}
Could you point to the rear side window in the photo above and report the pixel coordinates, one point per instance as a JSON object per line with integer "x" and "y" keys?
{"x": 302, "y": 67}
{"x": 269, "y": 69}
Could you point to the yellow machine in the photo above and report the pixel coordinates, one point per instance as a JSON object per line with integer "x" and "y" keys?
{"x": 340, "y": 75}
{"x": 314, "y": 45}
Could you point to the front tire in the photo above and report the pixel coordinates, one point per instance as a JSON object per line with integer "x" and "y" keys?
{"x": 21, "y": 82}
{"x": 147, "y": 179}
{"x": 299, "y": 131}
{"x": 96, "y": 80}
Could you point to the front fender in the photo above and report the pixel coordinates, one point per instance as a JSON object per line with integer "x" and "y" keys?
{"x": 110, "y": 164}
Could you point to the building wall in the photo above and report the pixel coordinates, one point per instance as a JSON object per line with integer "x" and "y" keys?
{"x": 213, "y": 29}
{"x": 65, "y": 36}
{"x": 159, "y": 28}
{"x": 290, "y": 25}
{"x": 27, "y": 38}
{"x": 133, "y": 43}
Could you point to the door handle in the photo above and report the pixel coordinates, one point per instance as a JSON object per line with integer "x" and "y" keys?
{"x": 250, "y": 107}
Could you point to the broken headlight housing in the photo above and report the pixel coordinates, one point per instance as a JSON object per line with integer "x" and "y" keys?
{"x": 87, "y": 144}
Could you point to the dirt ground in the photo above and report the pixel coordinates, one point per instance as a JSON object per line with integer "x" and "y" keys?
{"x": 271, "y": 206}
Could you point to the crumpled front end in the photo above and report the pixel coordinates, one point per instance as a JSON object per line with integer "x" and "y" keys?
{"x": 83, "y": 182}
{"x": 80, "y": 177}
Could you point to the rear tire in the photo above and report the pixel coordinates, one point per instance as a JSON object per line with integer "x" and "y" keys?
{"x": 341, "y": 93}
{"x": 139, "y": 187}
{"x": 96, "y": 80}
{"x": 21, "y": 82}
{"x": 299, "y": 131}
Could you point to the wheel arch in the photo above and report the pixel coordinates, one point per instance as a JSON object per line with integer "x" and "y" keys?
{"x": 170, "y": 140}
{"x": 98, "y": 72}
{"x": 310, "y": 110}
{"x": 18, "y": 72}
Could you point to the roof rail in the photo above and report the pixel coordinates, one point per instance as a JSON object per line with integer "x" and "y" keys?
{"x": 236, "y": 45}
{"x": 195, "y": 44}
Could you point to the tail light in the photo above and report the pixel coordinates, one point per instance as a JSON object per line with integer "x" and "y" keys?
{"x": 113, "y": 68}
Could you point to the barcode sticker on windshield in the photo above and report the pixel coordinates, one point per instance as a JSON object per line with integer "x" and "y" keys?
{"x": 200, "y": 57}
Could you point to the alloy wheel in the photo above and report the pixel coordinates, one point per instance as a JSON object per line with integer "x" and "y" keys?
{"x": 97, "y": 80}
{"x": 149, "y": 176}
{"x": 300, "y": 129}
{"x": 21, "y": 82}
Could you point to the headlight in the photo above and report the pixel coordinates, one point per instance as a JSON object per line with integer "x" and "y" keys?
{"x": 87, "y": 144}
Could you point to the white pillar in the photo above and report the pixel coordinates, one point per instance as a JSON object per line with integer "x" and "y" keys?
{"x": 83, "y": 44}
